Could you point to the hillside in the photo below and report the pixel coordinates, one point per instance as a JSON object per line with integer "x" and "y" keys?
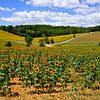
{"x": 19, "y": 40}
{"x": 91, "y": 39}
{"x": 9, "y": 36}
{"x": 15, "y": 39}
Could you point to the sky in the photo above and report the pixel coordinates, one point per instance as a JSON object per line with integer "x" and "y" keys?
{"x": 83, "y": 13}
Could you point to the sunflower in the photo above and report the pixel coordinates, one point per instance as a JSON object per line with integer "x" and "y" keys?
{"x": 37, "y": 70}
{"x": 26, "y": 63}
{"x": 0, "y": 59}
{"x": 53, "y": 71}
{"x": 56, "y": 63}
{"x": 66, "y": 69}
{"x": 46, "y": 68}
{"x": 35, "y": 60}
{"x": 93, "y": 67}
{"x": 43, "y": 60}
{"x": 62, "y": 62}
{"x": 59, "y": 79}
{"x": 36, "y": 66}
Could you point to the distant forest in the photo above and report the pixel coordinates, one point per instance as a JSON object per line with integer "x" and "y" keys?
{"x": 48, "y": 30}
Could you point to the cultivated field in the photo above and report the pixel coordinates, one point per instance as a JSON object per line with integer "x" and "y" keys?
{"x": 56, "y": 73}
{"x": 91, "y": 39}
{"x": 19, "y": 41}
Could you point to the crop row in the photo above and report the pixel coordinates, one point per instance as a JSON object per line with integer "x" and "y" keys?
{"x": 47, "y": 68}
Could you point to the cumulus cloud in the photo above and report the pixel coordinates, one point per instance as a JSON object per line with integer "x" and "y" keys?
{"x": 93, "y": 1}
{"x": 54, "y": 3}
{"x": 53, "y": 18}
{"x": 87, "y": 10}
{"x": 7, "y": 9}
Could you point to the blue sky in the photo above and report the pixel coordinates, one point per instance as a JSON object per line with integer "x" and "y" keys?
{"x": 52, "y": 12}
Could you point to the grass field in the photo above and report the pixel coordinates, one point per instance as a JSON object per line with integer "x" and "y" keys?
{"x": 91, "y": 39}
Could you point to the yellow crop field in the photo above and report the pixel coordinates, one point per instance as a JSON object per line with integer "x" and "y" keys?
{"x": 19, "y": 40}
{"x": 57, "y": 73}
{"x": 9, "y": 36}
{"x": 58, "y": 38}
{"x": 91, "y": 39}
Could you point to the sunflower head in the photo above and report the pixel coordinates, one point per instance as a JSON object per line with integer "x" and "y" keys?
{"x": 93, "y": 67}
{"x": 37, "y": 70}
{"x": 56, "y": 63}
{"x": 53, "y": 71}
{"x": 62, "y": 62}
{"x": 46, "y": 68}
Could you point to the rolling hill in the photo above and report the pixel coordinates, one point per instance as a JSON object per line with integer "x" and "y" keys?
{"x": 19, "y": 40}
{"x": 91, "y": 39}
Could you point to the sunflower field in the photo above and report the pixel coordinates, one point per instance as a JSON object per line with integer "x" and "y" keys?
{"x": 49, "y": 69}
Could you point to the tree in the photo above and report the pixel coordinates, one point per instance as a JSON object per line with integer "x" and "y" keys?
{"x": 74, "y": 36}
{"x": 52, "y": 41}
{"x": 47, "y": 40}
{"x": 99, "y": 44}
{"x": 8, "y": 44}
{"x": 41, "y": 41}
{"x": 28, "y": 40}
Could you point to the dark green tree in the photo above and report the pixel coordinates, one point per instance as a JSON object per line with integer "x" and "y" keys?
{"x": 41, "y": 42}
{"x": 8, "y": 44}
{"x": 47, "y": 40}
{"x": 52, "y": 41}
{"x": 28, "y": 40}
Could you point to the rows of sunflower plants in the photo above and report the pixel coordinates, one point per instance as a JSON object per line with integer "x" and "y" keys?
{"x": 47, "y": 68}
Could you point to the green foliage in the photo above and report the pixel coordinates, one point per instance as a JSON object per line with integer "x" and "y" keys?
{"x": 47, "y": 40}
{"x": 99, "y": 44}
{"x": 52, "y": 41}
{"x": 40, "y": 30}
{"x": 41, "y": 43}
{"x": 28, "y": 40}
{"x": 44, "y": 68}
{"x": 8, "y": 44}
{"x": 74, "y": 36}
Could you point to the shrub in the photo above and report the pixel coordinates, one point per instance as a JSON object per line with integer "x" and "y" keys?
{"x": 41, "y": 42}
{"x": 74, "y": 36}
{"x": 52, "y": 41}
{"x": 99, "y": 44}
{"x": 8, "y": 44}
{"x": 47, "y": 40}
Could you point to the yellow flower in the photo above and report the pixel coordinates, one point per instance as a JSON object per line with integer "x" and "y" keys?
{"x": 43, "y": 60}
{"x": 37, "y": 70}
{"x": 53, "y": 71}
{"x": 46, "y": 68}
{"x": 62, "y": 62}
{"x": 56, "y": 63}
{"x": 93, "y": 66}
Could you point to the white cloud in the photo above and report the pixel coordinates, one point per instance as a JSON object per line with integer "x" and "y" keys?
{"x": 55, "y": 3}
{"x": 87, "y": 10}
{"x": 93, "y": 1}
{"x": 53, "y": 18}
{"x": 7, "y": 9}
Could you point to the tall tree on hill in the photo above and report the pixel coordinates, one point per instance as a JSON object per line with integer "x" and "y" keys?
{"x": 28, "y": 40}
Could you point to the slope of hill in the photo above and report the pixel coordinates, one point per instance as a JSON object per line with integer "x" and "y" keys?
{"x": 15, "y": 39}
{"x": 91, "y": 39}
{"x": 9, "y": 36}
{"x": 18, "y": 40}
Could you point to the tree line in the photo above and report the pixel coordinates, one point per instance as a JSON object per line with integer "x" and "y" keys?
{"x": 48, "y": 30}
